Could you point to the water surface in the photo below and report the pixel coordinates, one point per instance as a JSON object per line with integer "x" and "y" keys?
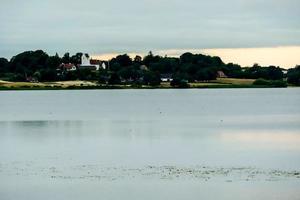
{"x": 150, "y": 144}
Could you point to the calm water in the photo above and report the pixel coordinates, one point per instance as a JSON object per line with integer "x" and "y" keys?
{"x": 150, "y": 144}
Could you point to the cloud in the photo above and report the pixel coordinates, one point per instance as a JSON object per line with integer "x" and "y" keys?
{"x": 286, "y": 56}
{"x": 99, "y": 26}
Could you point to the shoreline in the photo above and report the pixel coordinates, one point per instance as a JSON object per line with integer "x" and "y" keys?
{"x": 111, "y": 87}
{"x": 222, "y": 83}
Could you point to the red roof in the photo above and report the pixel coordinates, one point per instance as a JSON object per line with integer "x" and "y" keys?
{"x": 67, "y": 66}
{"x": 95, "y": 62}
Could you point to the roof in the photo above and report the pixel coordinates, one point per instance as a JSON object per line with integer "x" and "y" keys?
{"x": 90, "y": 67}
{"x": 67, "y": 66}
{"x": 95, "y": 62}
{"x": 221, "y": 74}
{"x": 166, "y": 75}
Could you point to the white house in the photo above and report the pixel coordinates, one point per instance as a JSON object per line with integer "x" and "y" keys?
{"x": 103, "y": 65}
{"x": 166, "y": 77}
{"x": 86, "y": 63}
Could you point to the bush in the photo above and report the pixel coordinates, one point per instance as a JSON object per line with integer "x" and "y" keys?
{"x": 261, "y": 81}
{"x": 270, "y": 83}
{"x": 114, "y": 79}
{"x": 151, "y": 78}
{"x": 279, "y": 83}
{"x": 18, "y": 77}
{"x": 294, "y": 76}
{"x": 180, "y": 83}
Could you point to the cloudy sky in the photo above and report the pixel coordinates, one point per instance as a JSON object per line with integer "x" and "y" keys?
{"x": 243, "y": 31}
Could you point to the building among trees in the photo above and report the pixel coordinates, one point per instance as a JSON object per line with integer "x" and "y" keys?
{"x": 67, "y": 67}
{"x": 87, "y": 63}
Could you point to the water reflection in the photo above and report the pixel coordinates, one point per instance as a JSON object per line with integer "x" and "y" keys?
{"x": 134, "y": 129}
{"x": 110, "y": 128}
{"x": 141, "y": 142}
{"x": 285, "y": 140}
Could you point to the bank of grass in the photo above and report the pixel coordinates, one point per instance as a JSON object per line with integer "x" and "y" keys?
{"x": 65, "y": 85}
{"x": 234, "y": 81}
{"x": 80, "y": 85}
{"x": 225, "y": 83}
{"x": 271, "y": 83}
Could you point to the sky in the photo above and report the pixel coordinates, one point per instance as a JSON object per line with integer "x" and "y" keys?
{"x": 242, "y": 31}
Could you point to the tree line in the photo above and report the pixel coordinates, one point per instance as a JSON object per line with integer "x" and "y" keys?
{"x": 146, "y": 70}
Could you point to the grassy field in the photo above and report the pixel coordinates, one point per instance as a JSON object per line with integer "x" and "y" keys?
{"x": 224, "y": 83}
{"x": 60, "y": 84}
{"x": 219, "y": 83}
{"x": 234, "y": 81}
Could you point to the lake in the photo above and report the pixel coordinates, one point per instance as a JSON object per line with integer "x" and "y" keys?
{"x": 150, "y": 144}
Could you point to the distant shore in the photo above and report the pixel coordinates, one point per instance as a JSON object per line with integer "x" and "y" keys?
{"x": 78, "y": 84}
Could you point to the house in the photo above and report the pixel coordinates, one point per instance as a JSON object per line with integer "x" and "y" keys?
{"x": 87, "y": 63}
{"x": 103, "y": 65}
{"x": 67, "y": 67}
{"x": 95, "y": 62}
{"x": 166, "y": 77}
{"x": 284, "y": 71}
{"x": 221, "y": 74}
{"x": 31, "y": 79}
{"x": 63, "y": 68}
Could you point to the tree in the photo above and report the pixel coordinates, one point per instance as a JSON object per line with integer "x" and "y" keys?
{"x": 274, "y": 73}
{"x": 102, "y": 76}
{"x": 53, "y": 62}
{"x": 66, "y": 58}
{"x": 206, "y": 74}
{"x": 37, "y": 75}
{"x": 257, "y": 71}
{"x": 48, "y": 74}
{"x": 150, "y": 58}
{"x": 4, "y": 65}
{"x": 114, "y": 79}
{"x": 151, "y": 78}
{"x": 186, "y": 58}
{"x": 138, "y": 59}
{"x": 180, "y": 80}
{"x": 86, "y": 74}
{"x": 177, "y": 83}
{"x": 123, "y": 60}
{"x": 188, "y": 68}
{"x": 128, "y": 73}
{"x": 76, "y": 59}
{"x": 293, "y": 76}
{"x": 114, "y": 66}
{"x": 29, "y": 61}
{"x": 233, "y": 70}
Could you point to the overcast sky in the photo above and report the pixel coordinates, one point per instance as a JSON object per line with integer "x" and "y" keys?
{"x": 118, "y": 26}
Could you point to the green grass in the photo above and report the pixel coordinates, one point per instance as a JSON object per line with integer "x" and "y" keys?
{"x": 219, "y": 83}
